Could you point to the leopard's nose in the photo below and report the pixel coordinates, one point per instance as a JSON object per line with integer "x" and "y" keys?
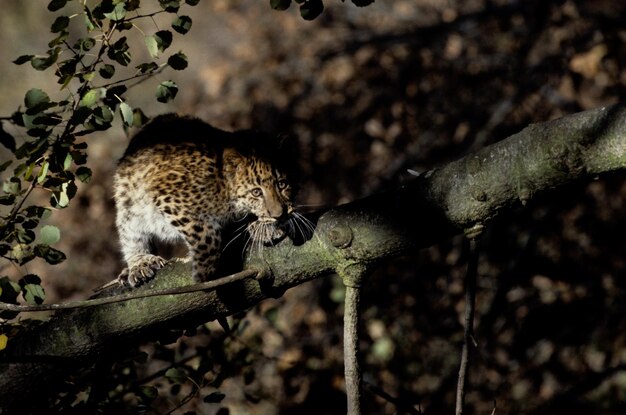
{"x": 275, "y": 208}
{"x": 277, "y": 211}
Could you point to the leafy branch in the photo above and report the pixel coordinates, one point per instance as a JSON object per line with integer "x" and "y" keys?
{"x": 52, "y": 157}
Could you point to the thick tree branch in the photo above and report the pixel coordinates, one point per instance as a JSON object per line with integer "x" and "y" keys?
{"x": 460, "y": 196}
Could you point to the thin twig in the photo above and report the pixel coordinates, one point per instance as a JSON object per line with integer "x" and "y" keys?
{"x": 401, "y": 405}
{"x": 352, "y": 369}
{"x": 468, "y": 337}
{"x": 203, "y": 286}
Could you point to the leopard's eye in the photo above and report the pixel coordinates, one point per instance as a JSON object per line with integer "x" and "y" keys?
{"x": 282, "y": 184}
{"x": 256, "y": 192}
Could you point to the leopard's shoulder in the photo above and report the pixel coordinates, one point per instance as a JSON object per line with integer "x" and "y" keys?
{"x": 175, "y": 130}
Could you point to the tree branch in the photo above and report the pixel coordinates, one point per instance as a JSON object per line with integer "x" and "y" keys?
{"x": 460, "y": 196}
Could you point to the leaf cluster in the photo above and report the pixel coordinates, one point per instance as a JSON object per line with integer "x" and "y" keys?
{"x": 311, "y": 9}
{"x": 52, "y": 156}
{"x": 187, "y": 373}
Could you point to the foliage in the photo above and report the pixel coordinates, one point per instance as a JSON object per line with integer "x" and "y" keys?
{"x": 164, "y": 374}
{"x": 310, "y": 9}
{"x": 93, "y": 74}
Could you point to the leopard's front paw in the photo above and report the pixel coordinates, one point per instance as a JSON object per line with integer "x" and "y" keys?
{"x": 142, "y": 270}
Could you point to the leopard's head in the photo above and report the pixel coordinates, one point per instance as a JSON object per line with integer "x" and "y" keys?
{"x": 260, "y": 189}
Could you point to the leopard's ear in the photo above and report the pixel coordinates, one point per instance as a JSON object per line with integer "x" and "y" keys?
{"x": 231, "y": 159}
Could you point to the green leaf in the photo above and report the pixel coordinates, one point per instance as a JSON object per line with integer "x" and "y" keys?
{"x": 34, "y": 294}
{"x": 176, "y": 375}
{"x": 148, "y": 393}
{"x": 48, "y": 119}
{"x": 182, "y": 24}
{"x": 87, "y": 76}
{"x": 61, "y": 198}
{"x": 67, "y": 161}
{"x": 163, "y": 39}
{"x": 25, "y": 236}
{"x": 103, "y": 113}
{"x": 90, "y": 21}
{"x": 280, "y": 4}
{"x": 85, "y": 44}
{"x": 68, "y": 67}
{"x": 61, "y": 38}
{"x": 29, "y": 171}
{"x": 119, "y": 52}
{"x": 30, "y": 224}
{"x": 170, "y": 6}
{"x": 83, "y": 174}
{"x": 43, "y": 62}
{"x": 55, "y": 5}
{"x": 310, "y": 9}
{"x": 114, "y": 95}
{"x": 101, "y": 118}
{"x": 43, "y": 172}
{"x": 147, "y": 67}
{"x": 9, "y": 290}
{"x": 91, "y": 97}
{"x": 139, "y": 118}
{"x": 12, "y": 186}
{"x": 166, "y": 91}
{"x": 118, "y": 13}
{"x": 4, "y": 339}
{"x": 5, "y": 165}
{"x": 178, "y": 61}
{"x": 59, "y": 24}
{"x": 23, "y": 59}
{"x": 152, "y": 45}
{"x": 37, "y": 212}
{"x": 81, "y": 115}
{"x": 22, "y": 253}
{"x": 107, "y": 71}
{"x": 37, "y": 111}
{"x": 127, "y": 114}
{"x": 6, "y": 140}
{"x": 7, "y": 200}
{"x": 49, "y": 234}
{"x": 132, "y": 4}
{"x": 32, "y": 291}
{"x": 35, "y": 97}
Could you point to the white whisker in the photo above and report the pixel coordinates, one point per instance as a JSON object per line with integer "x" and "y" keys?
{"x": 236, "y": 234}
{"x": 306, "y": 223}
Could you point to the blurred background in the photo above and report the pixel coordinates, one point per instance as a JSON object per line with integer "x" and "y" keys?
{"x": 370, "y": 92}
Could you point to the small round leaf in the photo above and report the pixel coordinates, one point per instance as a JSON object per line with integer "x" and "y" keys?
{"x": 49, "y": 234}
{"x": 35, "y": 97}
{"x": 127, "y": 114}
{"x": 166, "y": 91}
{"x": 176, "y": 375}
{"x": 280, "y": 4}
{"x": 107, "y": 71}
{"x": 310, "y": 9}
{"x": 59, "y": 24}
{"x": 182, "y": 24}
{"x": 178, "y": 61}
{"x": 55, "y": 5}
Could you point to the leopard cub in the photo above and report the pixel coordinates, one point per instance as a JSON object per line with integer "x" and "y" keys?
{"x": 182, "y": 179}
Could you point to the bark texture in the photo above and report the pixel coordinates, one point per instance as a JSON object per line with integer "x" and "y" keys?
{"x": 458, "y": 197}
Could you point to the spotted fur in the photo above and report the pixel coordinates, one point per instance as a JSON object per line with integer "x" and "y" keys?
{"x": 182, "y": 179}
